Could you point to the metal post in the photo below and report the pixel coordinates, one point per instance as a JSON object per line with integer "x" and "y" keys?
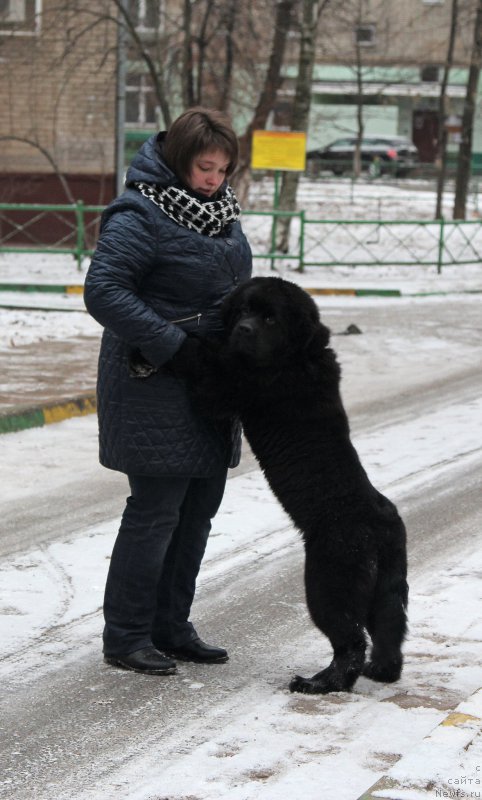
{"x": 122, "y": 37}
{"x": 441, "y": 245}
{"x": 301, "y": 258}
{"x": 275, "y": 219}
{"x": 79, "y": 213}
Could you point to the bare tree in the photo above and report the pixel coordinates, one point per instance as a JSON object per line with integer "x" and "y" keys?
{"x": 187, "y": 57}
{"x": 441, "y": 159}
{"x": 465, "y": 148}
{"x": 268, "y": 94}
{"x": 205, "y": 23}
{"x": 145, "y": 52}
{"x": 360, "y": 128}
{"x": 194, "y": 54}
{"x": 353, "y": 20}
{"x": 312, "y": 10}
{"x": 209, "y": 52}
{"x": 231, "y": 14}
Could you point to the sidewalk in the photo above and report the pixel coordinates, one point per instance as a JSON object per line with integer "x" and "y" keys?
{"x": 57, "y": 378}
{"x": 447, "y": 763}
{"x": 47, "y": 381}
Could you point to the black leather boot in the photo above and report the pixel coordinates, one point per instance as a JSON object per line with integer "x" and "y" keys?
{"x": 148, "y": 660}
{"x": 200, "y": 652}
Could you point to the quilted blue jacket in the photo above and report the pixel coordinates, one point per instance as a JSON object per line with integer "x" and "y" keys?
{"x": 151, "y": 282}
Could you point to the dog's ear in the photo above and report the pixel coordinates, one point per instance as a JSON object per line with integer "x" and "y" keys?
{"x": 324, "y": 334}
{"x": 318, "y": 341}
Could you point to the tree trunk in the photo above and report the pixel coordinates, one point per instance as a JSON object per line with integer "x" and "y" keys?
{"x": 187, "y": 59}
{"x": 267, "y": 97}
{"x": 441, "y": 159}
{"x": 357, "y": 163}
{"x": 229, "y": 59}
{"x": 465, "y": 148}
{"x": 301, "y": 112}
{"x": 202, "y": 43}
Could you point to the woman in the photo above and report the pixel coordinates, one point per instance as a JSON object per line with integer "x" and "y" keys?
{"x": 170, "y": 249}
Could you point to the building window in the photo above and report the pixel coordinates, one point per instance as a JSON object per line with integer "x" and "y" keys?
{"x": 429, "y": 74}
{"x": 20, "y": 17}
{"x": 365, "y": 35}
{"x": 146, "y": 14}
{"x": 432, "y": 2}
{"x": 141, "y": 106}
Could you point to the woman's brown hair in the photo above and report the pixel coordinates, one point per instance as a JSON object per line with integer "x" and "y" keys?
{"x": 198, "y": 130}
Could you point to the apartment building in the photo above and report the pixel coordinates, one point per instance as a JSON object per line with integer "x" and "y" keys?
{"x": 58, "y": 79}
{"x": 57, "y": 94}
{"x": 393, "y": 56}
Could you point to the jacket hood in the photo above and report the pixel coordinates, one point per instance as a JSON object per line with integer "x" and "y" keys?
{"x": 148, "y": 165}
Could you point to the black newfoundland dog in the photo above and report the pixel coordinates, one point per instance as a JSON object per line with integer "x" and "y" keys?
{"x": 283, "y": 380}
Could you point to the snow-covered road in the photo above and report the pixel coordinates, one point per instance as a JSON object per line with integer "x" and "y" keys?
{"x": 74, "y": 729}
{"x": 81, "y": 730}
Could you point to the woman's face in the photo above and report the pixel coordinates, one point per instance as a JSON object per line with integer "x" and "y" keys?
{"x": 208, "y": 171}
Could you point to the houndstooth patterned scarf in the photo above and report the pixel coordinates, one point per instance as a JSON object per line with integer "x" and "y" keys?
{"x": 207, "y": 218}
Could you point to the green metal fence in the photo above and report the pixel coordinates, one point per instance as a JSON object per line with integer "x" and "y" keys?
{"x": 328, "y": 242}
{"x": 32, "y": 228}
{"x": 73, "y": 229}
{"x": 392, "y": 243}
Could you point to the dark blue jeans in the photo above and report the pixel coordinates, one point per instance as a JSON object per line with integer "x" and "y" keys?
{"x": 156, "y": 559}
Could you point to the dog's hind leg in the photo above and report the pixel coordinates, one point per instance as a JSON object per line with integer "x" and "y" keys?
{"x": 342, "y": 622}
{"x": 387, "y": 626}
{"x": 339, "y": 676}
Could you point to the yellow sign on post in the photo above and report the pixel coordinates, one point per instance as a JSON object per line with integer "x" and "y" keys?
{"x": 279, "y": 150}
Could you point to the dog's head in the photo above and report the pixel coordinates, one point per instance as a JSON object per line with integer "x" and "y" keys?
{"x": 268, "y": 321}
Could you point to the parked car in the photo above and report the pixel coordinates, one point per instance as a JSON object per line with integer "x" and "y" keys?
{"x": 394, "y": 155}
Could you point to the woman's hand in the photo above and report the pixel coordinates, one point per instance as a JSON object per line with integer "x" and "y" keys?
{"x": 139, "y": 366}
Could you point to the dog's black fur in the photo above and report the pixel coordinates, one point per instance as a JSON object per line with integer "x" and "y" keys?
{"x": 278, "y": 373}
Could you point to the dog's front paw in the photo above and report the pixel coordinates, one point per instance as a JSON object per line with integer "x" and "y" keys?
{"x": 303, "y": 685}
{"x": 310, "y": 685}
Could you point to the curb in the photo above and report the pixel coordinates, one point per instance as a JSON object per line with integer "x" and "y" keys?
{"x": 77, "y": 289}
{"x": 52, "y": 412}
{"x": 59, "y": 309}
{"x": 42, "y": 287}
{"x": 439, "y": 765}
{"x": 441, "y": 294}
{"x": 387, "y": 292}
{"x": 354, "y": 292}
